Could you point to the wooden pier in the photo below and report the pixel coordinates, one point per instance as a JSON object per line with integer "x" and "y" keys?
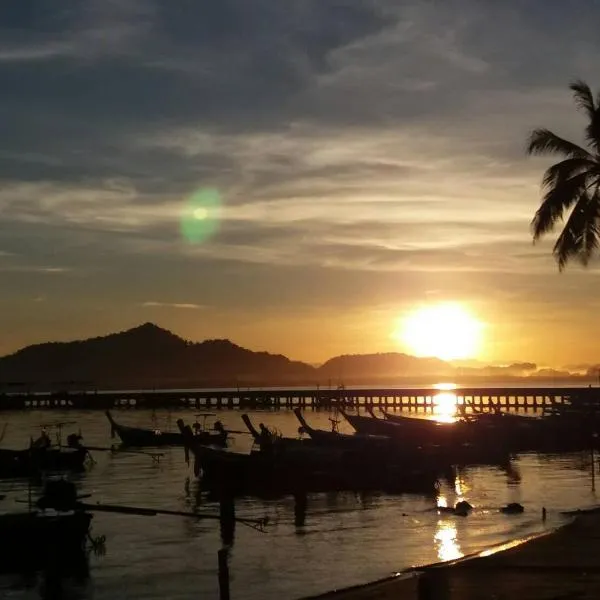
{"x": 507, "y": 398}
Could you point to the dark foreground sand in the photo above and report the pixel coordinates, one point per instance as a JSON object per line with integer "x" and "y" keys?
{"x": 562, "y": 565}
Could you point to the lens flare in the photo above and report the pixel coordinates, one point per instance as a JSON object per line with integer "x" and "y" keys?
{"x": 200, "y": 214}
{"x": 200, "y": 219}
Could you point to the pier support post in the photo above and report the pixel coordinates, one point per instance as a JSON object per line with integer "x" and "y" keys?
{"x": 223, "y": 556}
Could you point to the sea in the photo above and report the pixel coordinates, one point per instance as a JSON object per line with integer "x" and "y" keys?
{"x": 347, "y": 538}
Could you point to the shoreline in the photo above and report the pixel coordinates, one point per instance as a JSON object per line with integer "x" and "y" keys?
{"x": 535, "y": 553}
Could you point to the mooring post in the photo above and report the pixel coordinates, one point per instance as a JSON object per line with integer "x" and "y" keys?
{"x": 594, "y": 436}
{"x": 227, "y": 517}
{"x": 300, "y": 504}
{"x": 223, "y": 555}
{"x": 52, "y": 587}
{"x": 433, "y": 584}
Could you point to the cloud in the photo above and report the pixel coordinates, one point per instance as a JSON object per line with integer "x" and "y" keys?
{"x": 32, "y": 269}
{"x": 152, "y": 304}
{"x": 366, "y": 145}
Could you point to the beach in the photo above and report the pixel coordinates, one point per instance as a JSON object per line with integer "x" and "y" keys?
{"x": 560, "y": 564}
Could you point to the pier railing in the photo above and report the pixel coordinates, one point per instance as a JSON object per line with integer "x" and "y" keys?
{"x": 480, "y": 398}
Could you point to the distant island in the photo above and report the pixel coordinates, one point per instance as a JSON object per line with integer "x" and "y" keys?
{"x": 149, "y": 356}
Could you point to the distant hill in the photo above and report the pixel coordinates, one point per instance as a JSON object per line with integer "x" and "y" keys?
{"x": 388, "y": 365}
{"x": 148, "y": 356}
{"x": 151, "y": 357}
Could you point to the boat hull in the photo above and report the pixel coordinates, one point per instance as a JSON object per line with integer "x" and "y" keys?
{"x": 36, "y": 541}
{"x": 30, "y": 462}
{"x": 136, "y": 437}
{"x": 309, "y": 467}
{"x": 452, "y": 443}
{"x": 516, "y": 433}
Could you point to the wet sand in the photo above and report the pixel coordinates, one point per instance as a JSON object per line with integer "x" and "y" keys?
{"x": 563, "y": 564}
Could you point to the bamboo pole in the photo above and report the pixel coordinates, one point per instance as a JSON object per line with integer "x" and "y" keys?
{"x": 223, "y": 556}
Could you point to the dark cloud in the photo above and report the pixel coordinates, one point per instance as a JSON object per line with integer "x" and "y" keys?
{"x": 84, "y": 82}
{"x": 193, "y": 61}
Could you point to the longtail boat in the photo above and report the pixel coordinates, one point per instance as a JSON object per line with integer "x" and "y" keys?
{"x": 40, "y": 540}
{"x": 371, "y": 426}
{"x": 36, "y": 539}
{"x": 281, "y": 467}
{"x": 33, "y": 461}
{"x": 265, "y": 438}
{"x": 336, "y": 438}
{"x": 139, "y": 437}
{"x": 514, "y": 433}
{"x": 450, "y": 443}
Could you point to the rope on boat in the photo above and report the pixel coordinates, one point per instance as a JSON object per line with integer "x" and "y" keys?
{"x": 97, "y": 544}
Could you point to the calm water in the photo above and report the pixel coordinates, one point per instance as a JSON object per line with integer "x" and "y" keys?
{"x": 347, "y": 539}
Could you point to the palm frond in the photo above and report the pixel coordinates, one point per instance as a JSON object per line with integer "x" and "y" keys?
{"x": 592, "y": 131}
{"x": 543, "y": 141}
{"x": 572, "y": 184}
{"x": 591, "y": 230}
{"x": 558, "y": 199}
{"x": 584, "y": 99}
{"x": 565, "y": 169}
{"x": 583, "y": 96}
{"x": 581, "y": 234}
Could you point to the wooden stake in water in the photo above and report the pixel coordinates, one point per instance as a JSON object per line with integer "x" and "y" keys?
{"x": 594, "y": 436}
{"x": 223, "y": 574}
{"x": 227, "y": 518}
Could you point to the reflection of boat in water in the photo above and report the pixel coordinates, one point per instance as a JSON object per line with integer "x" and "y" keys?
{"x": 139, "y": 437}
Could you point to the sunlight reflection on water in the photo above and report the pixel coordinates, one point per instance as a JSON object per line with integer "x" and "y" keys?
{"x": 460, "y": 488}
{"x": 445, "y": 540}
{"x": 445, "y": 403}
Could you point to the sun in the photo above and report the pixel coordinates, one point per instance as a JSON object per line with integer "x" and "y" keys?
{"x": 447, "y": 331}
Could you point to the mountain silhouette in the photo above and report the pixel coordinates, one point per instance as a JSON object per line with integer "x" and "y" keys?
{"x": 383, "y": 365}
{"x": 149, "y": 356}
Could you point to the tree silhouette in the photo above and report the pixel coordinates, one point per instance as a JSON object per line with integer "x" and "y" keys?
{"x": 571, "y": 185}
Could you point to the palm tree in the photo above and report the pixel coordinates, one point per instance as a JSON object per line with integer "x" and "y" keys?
{"x": 573, "y": 184}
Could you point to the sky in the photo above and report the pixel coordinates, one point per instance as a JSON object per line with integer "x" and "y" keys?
{"x": 295, "y": 176}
